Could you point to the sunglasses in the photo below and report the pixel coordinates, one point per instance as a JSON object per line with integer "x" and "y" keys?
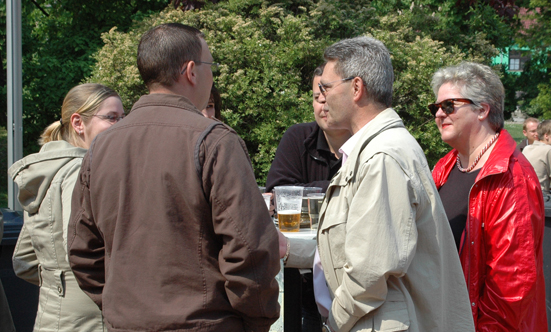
{"x": 447, "y": 105}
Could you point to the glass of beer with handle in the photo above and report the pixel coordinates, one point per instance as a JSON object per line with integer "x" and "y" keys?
{"x": 289, "y": 203}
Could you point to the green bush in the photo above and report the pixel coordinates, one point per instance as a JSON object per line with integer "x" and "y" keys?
{"x": 268, "y": 52}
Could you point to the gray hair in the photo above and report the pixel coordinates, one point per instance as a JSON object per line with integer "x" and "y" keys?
{"x": 478, "y": 83}
{"x": 368, "y": 59}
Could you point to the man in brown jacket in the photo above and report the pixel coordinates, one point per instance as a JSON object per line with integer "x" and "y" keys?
{"x": 168, "y": 229}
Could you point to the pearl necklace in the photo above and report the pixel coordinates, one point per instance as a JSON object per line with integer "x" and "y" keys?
{"x": 467, "y": 170}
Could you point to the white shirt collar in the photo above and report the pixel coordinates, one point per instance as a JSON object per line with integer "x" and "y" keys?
{"x": 349, "y": 145}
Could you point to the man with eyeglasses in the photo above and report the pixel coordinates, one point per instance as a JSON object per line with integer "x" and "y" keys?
{"x": 169, "y": 231}
{"x": 385, "y": 249}
{"x": 308, "y": 155}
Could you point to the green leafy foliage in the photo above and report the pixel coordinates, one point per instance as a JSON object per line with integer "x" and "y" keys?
{"x": 58, "y": 39}
{"x": 264, "y": 78}
{"x": 268, "y": 52}
{"x": 537, "y": 36}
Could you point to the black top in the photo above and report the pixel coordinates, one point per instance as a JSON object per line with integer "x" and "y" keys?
{"x": 303, "y": 158}
{"x": 455, "y": 197}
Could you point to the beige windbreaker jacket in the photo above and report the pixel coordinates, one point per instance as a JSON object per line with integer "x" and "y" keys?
{"x": 384, "y": 241}
{"x": 46, "y": 181}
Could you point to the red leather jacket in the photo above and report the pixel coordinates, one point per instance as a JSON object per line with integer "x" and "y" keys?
{"x": 501, "y": 247}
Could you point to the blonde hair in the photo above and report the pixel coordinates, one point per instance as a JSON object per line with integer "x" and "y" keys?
{"x": 83, "y": 99}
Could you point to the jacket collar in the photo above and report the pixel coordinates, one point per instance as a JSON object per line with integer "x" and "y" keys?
{"x": 385, "y": 120}
{"x": 162, "y": 99}
{"x": 498, "y": 161}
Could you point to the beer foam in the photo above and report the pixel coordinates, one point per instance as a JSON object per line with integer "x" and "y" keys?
{"x": 289, "y": 212}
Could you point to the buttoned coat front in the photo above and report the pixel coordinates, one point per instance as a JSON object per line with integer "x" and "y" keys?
{"x": 384, "y": 241}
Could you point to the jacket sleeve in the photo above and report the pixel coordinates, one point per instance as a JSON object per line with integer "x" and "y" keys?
{"x": 513, "y": 234}
{"x": 85, "y": 246}
{"x": 249, "y": 258}
{"x": 66, "y": 197}
{"x": 379, "y": 240}
{"x": 25, "y": 262}
{"x": 287, "y": 167}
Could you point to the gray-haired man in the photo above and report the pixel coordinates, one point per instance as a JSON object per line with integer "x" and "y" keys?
{"x": 385, "y": 246}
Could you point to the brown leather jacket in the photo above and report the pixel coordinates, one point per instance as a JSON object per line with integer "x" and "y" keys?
{"x": 158, "y": 247}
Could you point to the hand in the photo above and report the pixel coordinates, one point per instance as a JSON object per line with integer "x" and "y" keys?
{"x": 282, "y": 244}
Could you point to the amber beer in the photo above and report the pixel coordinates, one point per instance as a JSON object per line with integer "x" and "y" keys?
{"x": 289, "y": 221}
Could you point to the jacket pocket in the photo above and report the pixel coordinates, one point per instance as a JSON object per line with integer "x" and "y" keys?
{"x": 391, "y": 316}
{"x": 333, "y": 227}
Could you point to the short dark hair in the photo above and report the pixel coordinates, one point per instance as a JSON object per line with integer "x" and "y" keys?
{"x": 164, "y": 49}
{"x": 318, "y": 71}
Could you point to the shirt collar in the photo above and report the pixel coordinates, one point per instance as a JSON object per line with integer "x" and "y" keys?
{"x": 349, "y": 145}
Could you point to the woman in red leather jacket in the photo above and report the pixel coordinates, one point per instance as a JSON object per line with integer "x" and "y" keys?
{"x": 492, "y": 199}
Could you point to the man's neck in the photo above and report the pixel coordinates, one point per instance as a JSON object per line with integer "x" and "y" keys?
{"x": 335, "y": 139}
{"x": 161, "y": 89}
{"x": 364, "y": 115}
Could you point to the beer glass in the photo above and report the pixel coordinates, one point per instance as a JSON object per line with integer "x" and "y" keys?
{"x": 304, "y": 217}
{"x": 267, "y": 197}
{"x": 314, "y": 205}
{"x": 289, "y": 203}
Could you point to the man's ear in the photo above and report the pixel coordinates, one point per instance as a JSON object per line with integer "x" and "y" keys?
{"x": 190, "y": 73}
{"x": 358, "y": 88}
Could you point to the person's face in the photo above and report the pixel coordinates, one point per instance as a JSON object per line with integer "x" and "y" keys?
{"x": 109, "y": 112}
{"x": 205, "y": 76}
{"x": 337, "y": 100}
{"x": 208, "y": 111}
{"x": 457, "y": 127}
{"x": 531, "y": 132}
{"x": 318, "y": 103}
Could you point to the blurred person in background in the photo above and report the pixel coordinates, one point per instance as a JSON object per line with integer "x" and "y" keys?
{"x": 530, "y": 131}
{"x": 493, "y": 201}
{"x": 46, "y": 180}
{"x": 539, "y": 154}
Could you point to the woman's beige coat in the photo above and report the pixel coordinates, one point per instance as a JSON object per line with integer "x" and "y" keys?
{"x": 46, "y": 180}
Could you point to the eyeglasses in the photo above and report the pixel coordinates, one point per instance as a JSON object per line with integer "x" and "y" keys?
{"x": 325, "y": 86}
{"x": 448, "y": 105}
{"x": 213, "y": 66}
{"x": 110, "y": 118}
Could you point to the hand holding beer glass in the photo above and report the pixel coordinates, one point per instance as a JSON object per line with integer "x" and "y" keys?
{"x": 289, "y": 203}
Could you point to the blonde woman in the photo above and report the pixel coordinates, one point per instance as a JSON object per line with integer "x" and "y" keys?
{"x": 46, "y": 180}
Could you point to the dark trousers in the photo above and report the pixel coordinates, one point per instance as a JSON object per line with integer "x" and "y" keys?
{"x": 299, "y": 310}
